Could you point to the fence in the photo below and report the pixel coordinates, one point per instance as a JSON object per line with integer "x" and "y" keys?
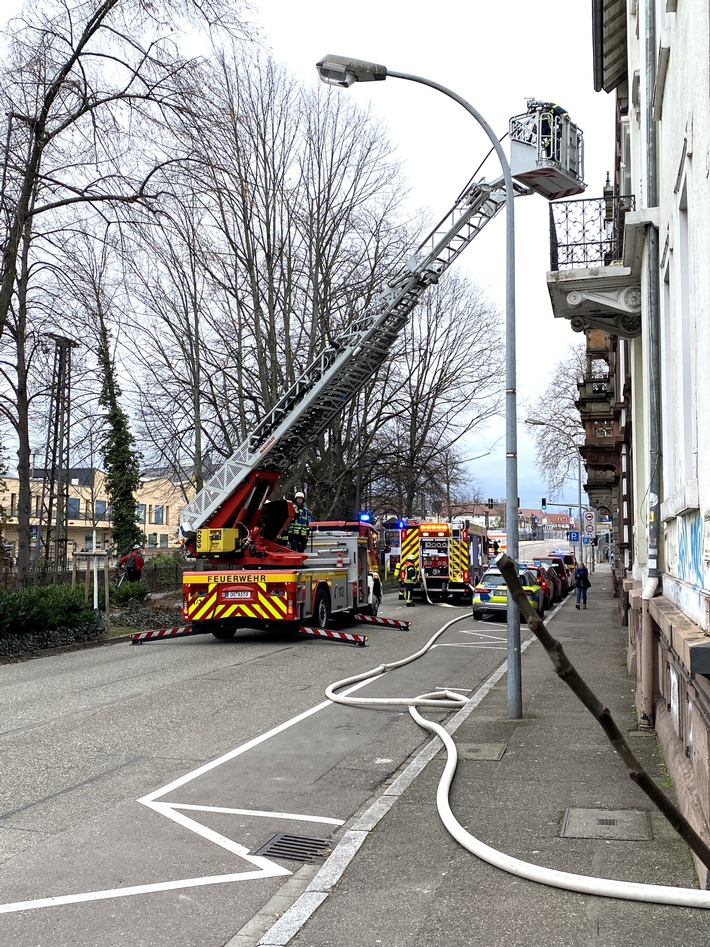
{"x": 158, "y": 577}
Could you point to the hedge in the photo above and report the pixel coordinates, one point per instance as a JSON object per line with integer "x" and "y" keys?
{"x": 42, "y": 617}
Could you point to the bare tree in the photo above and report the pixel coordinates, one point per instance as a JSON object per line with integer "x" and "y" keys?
{"x": 287, "y": 229}
{"x": 76, "y": 85}
{"x": 557, "y": 407}
{"x": 445, "y": 380}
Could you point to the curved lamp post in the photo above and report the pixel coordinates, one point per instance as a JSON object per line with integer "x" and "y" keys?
{"x": 576, "y": 446}
{"x": 344, "y": 71}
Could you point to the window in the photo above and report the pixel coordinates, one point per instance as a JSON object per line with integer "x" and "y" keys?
{"x": 152, "y": 539}
{"x": 73, "y": 507}
{"x": 141, "y": 512}
{"x": 163, "y": 540}
{"x": 158, "y": 515}
{"x": 101, "y": 509}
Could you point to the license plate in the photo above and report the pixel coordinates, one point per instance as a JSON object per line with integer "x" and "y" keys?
{"x": 237, "y": 593}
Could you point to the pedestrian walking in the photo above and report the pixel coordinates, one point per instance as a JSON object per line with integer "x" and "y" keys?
{"x": 299, "y": 526}
{"x": 581, "y": 583}
{"x": 410, "y": 580}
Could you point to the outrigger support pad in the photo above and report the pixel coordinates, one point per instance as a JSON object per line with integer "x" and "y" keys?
{"x": 161, "y": 634}
{"x": 359, "y": 640}
{"x": 387, "y": 622}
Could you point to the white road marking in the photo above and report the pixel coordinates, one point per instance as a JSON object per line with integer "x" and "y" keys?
{"x": 479, "y": 634}
{"x": 138, "y": 889}
{"x": 293, "y": 816}
{"x": 265, "y": 868}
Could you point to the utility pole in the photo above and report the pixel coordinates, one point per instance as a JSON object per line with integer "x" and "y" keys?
{"x": 54, "y": 511}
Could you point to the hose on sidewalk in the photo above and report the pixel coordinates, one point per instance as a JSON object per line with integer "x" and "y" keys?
{"x": 584, "y": 884}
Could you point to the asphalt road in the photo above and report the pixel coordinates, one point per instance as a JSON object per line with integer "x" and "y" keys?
{"x": 137, "y": 780}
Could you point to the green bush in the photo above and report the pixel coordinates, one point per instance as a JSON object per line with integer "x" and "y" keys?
{"x": 128, "y": 592}
{"x": 44, "y": 617}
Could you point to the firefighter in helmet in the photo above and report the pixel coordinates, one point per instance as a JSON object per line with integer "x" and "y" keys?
{"x": 409, "y": 575}
{"x": 300, "y": 524}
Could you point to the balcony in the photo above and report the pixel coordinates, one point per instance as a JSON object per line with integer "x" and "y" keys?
{"x": 588, "y": 282}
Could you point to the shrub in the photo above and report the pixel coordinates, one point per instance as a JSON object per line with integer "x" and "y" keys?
{"x": 129, "y": 591}
{"x": 43, "y": 617}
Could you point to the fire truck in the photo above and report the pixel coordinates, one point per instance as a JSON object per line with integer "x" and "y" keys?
{"x": 448, "y": 556}
{"x": 247, "y": 578}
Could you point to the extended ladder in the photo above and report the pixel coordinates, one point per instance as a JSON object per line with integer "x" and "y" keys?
{"x": 344, "y": 367}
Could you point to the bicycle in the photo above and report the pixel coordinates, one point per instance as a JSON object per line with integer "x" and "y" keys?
{"x": 118, "y": 578}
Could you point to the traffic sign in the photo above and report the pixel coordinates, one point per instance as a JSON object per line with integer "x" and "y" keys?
{"x": 574, "y": 536}
{"x": 586, "y": 540}
{"x": 589, "y": 523}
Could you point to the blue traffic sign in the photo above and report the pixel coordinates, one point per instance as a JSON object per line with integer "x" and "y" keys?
{"x": 574, "y": 536}
{"x": 587, "y": 540}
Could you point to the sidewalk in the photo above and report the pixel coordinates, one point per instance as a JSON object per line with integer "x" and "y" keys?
{"x": 536, "y": 789}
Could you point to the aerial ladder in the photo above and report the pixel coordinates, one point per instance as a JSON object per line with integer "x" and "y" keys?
{"x": 232, "y": 521}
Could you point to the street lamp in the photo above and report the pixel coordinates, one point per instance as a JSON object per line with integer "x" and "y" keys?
{"x": 344, "y": 71}
{"x": 568, "y": 437}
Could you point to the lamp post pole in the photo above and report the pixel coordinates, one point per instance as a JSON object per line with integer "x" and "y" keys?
{"x": 338, "y": 70}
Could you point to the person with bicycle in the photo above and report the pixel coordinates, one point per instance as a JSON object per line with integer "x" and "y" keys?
{"x": 133, "y": 562}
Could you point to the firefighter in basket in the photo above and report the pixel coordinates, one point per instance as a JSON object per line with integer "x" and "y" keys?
{"x": 409, "y": 574}
{"x": 299, "y": 526}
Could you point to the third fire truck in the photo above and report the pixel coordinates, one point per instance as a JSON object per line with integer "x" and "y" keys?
{"x": 448, "y": 556}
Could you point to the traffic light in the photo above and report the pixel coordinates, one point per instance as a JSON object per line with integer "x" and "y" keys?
{"x": 544, "y": 505}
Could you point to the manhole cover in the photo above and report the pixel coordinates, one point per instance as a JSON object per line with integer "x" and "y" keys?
{"x": 614, "y": 824}
{"x": 479, "y": 751}
{"x": 297, "y": 848}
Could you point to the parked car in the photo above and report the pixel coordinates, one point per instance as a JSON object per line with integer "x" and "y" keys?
{"x": 568, "y": 559}
{"x": 556, "y": 562}
{"x": 490, "y": 596}
{"x": 550, "y": 586}
{"x": 556, "y": 581}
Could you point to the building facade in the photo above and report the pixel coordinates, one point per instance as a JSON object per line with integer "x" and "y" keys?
{"x": 633, "y": 275}
{"x": 159, "y": 504}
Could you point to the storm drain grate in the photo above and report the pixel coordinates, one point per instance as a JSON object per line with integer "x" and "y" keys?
{"x": 297, "y": 848}
{"x": 612, "y": 824}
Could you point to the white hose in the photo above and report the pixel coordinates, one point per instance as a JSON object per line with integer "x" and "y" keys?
{"x": 585, "y": 884}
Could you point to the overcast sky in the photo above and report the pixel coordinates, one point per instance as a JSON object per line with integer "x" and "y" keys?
{"x": 495, "y": 56}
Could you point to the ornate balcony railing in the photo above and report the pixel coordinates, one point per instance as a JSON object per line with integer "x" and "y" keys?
{"x": 588, "y": 232}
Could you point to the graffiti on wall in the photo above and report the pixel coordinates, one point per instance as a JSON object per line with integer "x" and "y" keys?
{"x": 684, "y": 549}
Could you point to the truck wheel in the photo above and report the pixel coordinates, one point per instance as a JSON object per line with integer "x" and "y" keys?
{"x": 321, "y": 609}
{"x": 224, "y": 634}
{"x": 374, "y": 607}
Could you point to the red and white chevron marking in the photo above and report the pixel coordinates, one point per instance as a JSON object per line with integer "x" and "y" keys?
{"x": 334, "y": 635}
{"x": 141, "y": 636}
{"x": 389, "y": 622}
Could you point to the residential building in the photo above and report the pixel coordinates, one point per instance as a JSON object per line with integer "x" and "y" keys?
{"x": 633, "y": 277}
{"x": 159, "y": 504}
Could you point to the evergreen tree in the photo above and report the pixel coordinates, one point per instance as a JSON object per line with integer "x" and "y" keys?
{"x": 121, "y": 459}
